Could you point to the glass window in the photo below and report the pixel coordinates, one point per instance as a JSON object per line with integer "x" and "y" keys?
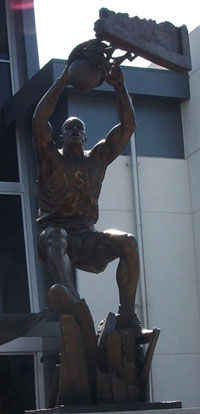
{"x": 17, "y": 386}
{"x": 3, "y": 29}
{"x": 159, "y": 128}
{"x": 14, "y": 293}
{"x": 8, "y": 156}
{"x": 5, "y": 83}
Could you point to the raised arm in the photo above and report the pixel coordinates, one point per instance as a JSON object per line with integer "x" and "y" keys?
{"x": 119, "y": 135}
{"x": 42, "y": 130}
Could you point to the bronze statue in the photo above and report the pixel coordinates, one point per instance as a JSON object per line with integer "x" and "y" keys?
{"x": 69, "y": 183}
{"x": 112, "y": 366}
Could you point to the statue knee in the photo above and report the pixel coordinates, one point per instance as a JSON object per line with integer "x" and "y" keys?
{"x": 52, "y": 240}
{"x": 130, "y": 246}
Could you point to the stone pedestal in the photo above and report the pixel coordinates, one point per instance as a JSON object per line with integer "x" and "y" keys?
{"x": 149, "y": 409}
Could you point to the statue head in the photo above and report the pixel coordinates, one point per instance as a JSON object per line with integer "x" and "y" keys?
{"x": 73, "y": 134}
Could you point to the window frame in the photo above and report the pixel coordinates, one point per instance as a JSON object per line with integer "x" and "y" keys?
{"x": 38, "y": 369}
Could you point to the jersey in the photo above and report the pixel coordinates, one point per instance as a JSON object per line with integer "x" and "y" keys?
{"x": 69, "y": 190}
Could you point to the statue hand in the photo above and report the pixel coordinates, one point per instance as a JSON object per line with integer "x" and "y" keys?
{"x": 115, "y": 76}
{"x": 65, "y": 75}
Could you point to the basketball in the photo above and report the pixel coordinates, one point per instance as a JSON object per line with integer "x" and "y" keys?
{"x": 84, "y": 75}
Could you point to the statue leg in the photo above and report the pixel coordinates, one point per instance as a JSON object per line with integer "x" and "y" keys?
{"x": 127, "y": 279}
{"x": 52, "y": 247}
{"x": 102, "y": 248}
{"x": 128, "y": 271}
{"x": 99, "y": 249}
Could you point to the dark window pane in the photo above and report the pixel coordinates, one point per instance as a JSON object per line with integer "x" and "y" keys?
{"x": 3, "y": 30}
{"x": 159, "y": 128}
{"x": 8, "y": 156}
{"x": 17, "y": 388}
{"x": 14, "y": 296}
{"x": 5, "y": 83}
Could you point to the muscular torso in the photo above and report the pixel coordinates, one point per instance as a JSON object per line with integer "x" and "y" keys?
{"x": 69, "y": 189}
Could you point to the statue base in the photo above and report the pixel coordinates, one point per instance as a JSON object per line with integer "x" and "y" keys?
{"x": 107, "y": 372}
{"x": 108, "y": 368}
{"x": 117, "y": 408}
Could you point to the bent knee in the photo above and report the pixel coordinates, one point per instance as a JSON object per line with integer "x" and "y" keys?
{"x": 130, "y": 245}
{"x": 50, "y": 239}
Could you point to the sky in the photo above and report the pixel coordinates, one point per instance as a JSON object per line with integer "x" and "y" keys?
{"x": 62, "y": 24}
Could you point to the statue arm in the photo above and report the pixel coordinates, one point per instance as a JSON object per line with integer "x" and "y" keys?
{"x": 118, "y": 136}
{"x": 42, "y": 129}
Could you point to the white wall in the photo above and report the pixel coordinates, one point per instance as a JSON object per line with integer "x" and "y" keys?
{"x": 172, "y": 296}
{"x": 191, "y": 130}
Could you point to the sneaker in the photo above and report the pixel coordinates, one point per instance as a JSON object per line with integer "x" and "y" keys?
{"x": 131, "y": 321}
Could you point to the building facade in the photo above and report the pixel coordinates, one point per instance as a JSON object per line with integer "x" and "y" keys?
{"x": 150, "y": 190}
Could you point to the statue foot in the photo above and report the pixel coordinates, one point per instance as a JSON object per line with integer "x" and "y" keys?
{"x": 130, "y": 321}
{"x": 61, "y": 299}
